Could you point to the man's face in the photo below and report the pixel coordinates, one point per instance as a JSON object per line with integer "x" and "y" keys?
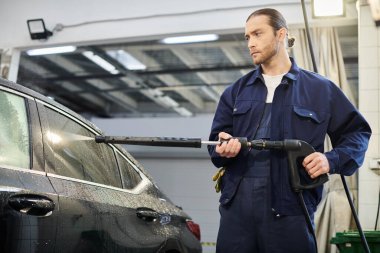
{"x": 263, "y": 43}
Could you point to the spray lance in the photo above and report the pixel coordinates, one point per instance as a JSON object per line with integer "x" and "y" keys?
{"x": 296, "y": 151}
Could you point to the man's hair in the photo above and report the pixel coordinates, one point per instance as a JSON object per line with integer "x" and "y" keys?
{"x": 276, "y": 20}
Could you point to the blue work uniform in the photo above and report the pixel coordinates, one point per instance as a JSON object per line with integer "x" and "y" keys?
{"x": 306, "y": 106}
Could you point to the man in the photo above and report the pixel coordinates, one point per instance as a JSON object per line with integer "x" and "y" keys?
{"x": 277, "y": 101}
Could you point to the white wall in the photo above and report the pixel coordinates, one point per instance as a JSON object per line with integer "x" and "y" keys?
{"x": 369, "y": 80}
{"x": 148, "y": 18}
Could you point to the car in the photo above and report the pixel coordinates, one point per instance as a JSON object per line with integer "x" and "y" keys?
{"x": 60, "y": 191}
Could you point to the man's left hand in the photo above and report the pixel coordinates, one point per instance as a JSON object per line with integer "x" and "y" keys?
{"x": 316, "y": 164}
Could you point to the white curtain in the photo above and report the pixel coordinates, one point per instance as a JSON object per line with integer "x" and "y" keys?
{"x": 333, "y": 213}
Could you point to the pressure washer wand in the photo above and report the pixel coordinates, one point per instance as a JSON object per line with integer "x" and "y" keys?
{"x": 196, "y": 142}
{"x": 164, "y": 141}
{"x": 287, "y": 145}
{"x": 296, "y": 150}
{"x": 151, "y": 141}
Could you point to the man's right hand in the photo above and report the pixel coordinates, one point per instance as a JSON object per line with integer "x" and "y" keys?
{"x": 228, "y": 148}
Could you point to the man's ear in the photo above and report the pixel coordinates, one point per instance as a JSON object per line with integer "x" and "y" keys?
{"x": 282, "y": 33}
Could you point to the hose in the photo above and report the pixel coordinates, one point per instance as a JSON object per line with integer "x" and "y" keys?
{"x": 308, "y": 219}
{"x": 378, "y": 209}
{"x": 309, "y": 37}
{"x": 364, "y": 241}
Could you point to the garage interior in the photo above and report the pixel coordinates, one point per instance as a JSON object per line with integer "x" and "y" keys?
{"x": 172, "y": 90}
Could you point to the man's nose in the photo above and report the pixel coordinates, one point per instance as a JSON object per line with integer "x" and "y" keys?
{"x": 251, "y": 43}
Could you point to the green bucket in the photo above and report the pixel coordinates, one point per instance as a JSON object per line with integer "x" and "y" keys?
{"x": 350, "y": 242}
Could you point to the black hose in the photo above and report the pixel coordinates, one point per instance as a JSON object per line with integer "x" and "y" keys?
{"x": 364, "y": 241}
{"x": 378, "y": 209}
{"x": 309, "y": 37}
{"x": 308, "y": 219}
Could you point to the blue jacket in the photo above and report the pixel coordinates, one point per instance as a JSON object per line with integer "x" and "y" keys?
{"x": 306, "y": 106}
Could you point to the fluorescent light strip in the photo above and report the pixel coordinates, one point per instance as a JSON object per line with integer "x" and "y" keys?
{"x": 51, "y": 50}
{"x": 190, "y": 39}
{"x": 183, "y": 111}
{"x": 126, "y": 59}
{"x": 168, "y": 101}
{"x": 101, "y": 62}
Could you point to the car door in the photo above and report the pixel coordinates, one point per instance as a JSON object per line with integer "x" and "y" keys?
{"x": 28, "y": 203}
{"x": 97, "y": 213}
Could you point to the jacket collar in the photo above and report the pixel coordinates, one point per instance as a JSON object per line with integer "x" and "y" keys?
{"x": 292, "y": 74}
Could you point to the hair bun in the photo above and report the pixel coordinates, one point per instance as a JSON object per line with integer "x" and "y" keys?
{"x": 291, "y": 42}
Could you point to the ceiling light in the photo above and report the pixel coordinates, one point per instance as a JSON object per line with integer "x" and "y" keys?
{"x": 168, "y": 101}
{"x": 328, "y": 8}
{"x": 51, "y": 50}
{"x": 101, "y": 62}
{"x": 37, "y": 29}
{"x": 183, "y": 111}
{"x": 190, "y": 39}
{"x": 155, "y": 92}
{"x": 126, "y": 59}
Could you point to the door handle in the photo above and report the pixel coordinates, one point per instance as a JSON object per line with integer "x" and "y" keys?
{"x": 147, "y": 214}
{"x": 32, "y": 204}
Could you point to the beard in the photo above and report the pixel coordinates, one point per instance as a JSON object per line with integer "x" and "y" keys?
{"x": 266, "y": 54}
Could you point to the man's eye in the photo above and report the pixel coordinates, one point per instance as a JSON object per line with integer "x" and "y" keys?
{"x": 257, "y": 34}
{"x": 246, "y": 38}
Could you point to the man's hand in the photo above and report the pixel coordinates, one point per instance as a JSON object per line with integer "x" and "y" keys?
{"x": 316, "y": 164}
{"x": 228, "y": 149}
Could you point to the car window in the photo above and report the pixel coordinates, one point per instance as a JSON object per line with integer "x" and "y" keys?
{"x": 131, "y": 178}
{"x": 77, "y": 154}
{"x": 14, "y": 127}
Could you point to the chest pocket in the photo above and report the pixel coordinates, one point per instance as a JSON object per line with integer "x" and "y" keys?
{"x": 241, "y": 117}
{"x": 308, "y": 125}
{"x": 245, "y": 116}
{"x": 241, "y": 107}
{"x": 308, "y": 115}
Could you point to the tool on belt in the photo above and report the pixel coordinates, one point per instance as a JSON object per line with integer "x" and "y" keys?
{"x": 217, "y": 178}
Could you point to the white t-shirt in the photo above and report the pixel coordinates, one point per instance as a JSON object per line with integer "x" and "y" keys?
{"x": 272, "y": 82}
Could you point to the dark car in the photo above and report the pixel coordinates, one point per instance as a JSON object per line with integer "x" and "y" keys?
{"x": 60, "y": 191}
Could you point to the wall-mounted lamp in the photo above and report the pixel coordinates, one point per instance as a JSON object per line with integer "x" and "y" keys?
{"x": 37, "y": 29}
{"x": 328, "y": 8}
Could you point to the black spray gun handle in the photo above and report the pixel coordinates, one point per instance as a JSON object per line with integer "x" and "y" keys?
{"x": 295, "y": 159}
{"x": 296, "y": 151}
